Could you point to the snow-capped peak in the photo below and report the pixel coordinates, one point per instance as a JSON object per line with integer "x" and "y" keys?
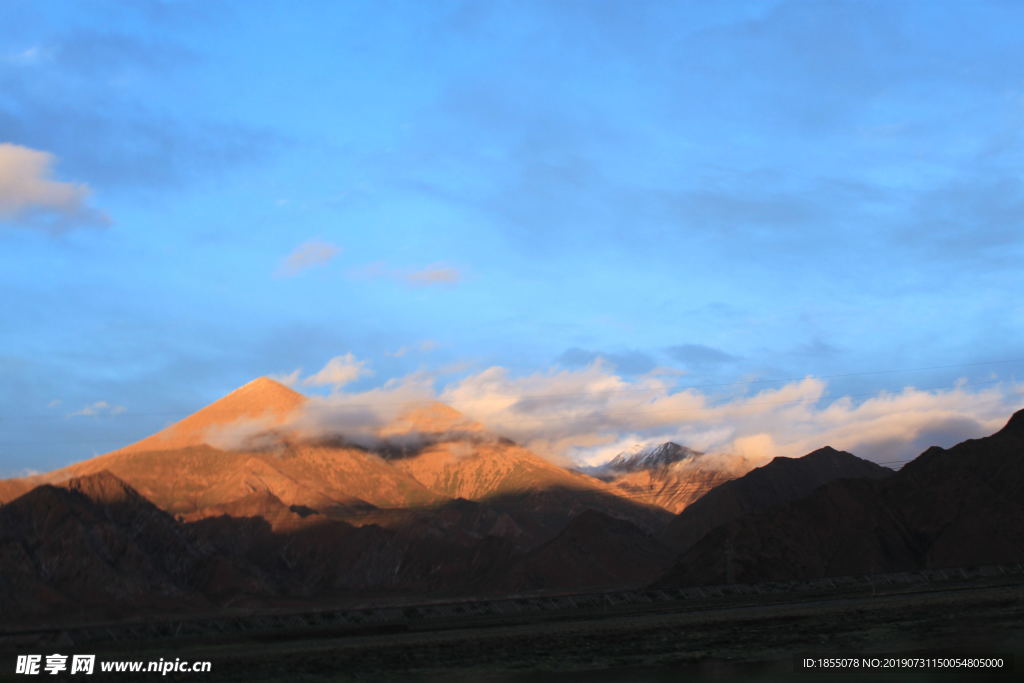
{"x": 646, "y": 457}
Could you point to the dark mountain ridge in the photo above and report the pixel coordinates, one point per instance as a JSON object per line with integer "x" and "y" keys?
{"x": 780, "y": 481}
{"x": 953, "y": 507}
{"x": 93, "y": 543}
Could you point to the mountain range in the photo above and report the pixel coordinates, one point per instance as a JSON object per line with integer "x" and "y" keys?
{"x": 240, "y": 503}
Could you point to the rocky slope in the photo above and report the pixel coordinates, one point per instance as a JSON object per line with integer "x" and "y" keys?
{"x": 252, "y": 442}
{"x": 181, "y": 472}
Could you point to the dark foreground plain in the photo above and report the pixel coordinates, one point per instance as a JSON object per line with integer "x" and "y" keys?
{"x": 727, "y": 634}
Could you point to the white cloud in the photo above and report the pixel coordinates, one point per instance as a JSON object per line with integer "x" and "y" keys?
{"x": 18, "y": 474}
{"x": 307, "y": 255}
{"x": 246, "y": 434}
{"x": 338, "y": 371}
{"x": 360, "y": 417}
{"x": 98, "y": 408}
{"x": 29, "y": 195}
{"x": 30, "y": 56}
{"x": 373, "y": 418}
{"x": 434, "y": 275}
{"x": 425, "y": 346}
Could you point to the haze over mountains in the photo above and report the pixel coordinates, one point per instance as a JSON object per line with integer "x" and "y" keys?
{"x": 244, "y": 501}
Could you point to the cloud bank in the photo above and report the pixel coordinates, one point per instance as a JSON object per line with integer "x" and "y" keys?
{"x": 30, "y": 196}
{"x": 589, "y": 415}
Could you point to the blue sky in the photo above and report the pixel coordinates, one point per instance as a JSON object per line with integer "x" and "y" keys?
{"x": 730, "y": 195}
